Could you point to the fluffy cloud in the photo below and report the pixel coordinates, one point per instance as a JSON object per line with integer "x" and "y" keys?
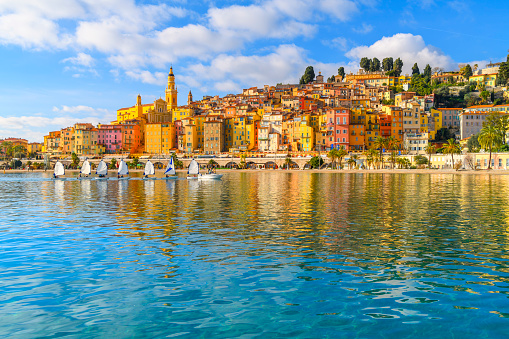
{"x": 82, "y": 109}
{"x": 410, "y": 48}
{"x": 364, "y": 29}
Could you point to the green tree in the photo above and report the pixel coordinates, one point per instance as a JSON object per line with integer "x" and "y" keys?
{"x": 178, "y": 164}
{"x": 113, "y": 163}
{"x": 341, "y": 154}
{"x": 466, "y": 71}
{"x": 387, "y": 64}
{"x": 135, "y": 162}
{"x": 74, "y": 160}
{"x": 443, "y": 134}
{"x": 316, "y": 162}
{"x": 365, "y": 64}
{"x": 427, "y": 72}
{"x": 473, "y": 144}
{"x": 309, "y": 76}
{"x": 421, "y": 160}
{"x": 430, "y": 149}
{"x": 484, "y": 96}
{"x": 380, "y": 144}
{"x": 333, "y": 155}
{"x": 451, "y": 147}
{"x": 331, "y": 79}
{"x": 398, "y": 67}
{"x": 415, "y": 69}
{"x": 288, "y": 161}
{"x": 352, "y": 161}
{"x": 489, "y": 137}
{"x": 375, "y": 65}
{"x": 341, "y": 72}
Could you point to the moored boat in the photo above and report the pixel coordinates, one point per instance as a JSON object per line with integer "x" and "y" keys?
{"x": 59, "y": 171}
{"x": 149, "y": 170}
{"x": 193, "y": 170}
{"x": 123, "y": 171}
{"x": 169, "y": 172}
{"x": 85, "y": 171}
{"x": 101, "y": 171}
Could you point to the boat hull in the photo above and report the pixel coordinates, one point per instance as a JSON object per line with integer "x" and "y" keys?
{"x": 192, "y": 178}
{"x": 170, "y": 178}
{"x": 210, "y": 176}
{"x": 101, "y": 178}
{"x": 151, "y": 178}
{"x": 126, "y": 178}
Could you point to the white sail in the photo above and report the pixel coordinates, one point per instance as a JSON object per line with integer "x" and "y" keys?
{"x": 194, "y": 168}
{"x": 122, "y": 168}
{"x": 102, "y": 168}
{"x": 59, "y": 169}
{"x": 85, "y": 168}
{"x": 149, "y": 168}
{"x": 170, "y": 169}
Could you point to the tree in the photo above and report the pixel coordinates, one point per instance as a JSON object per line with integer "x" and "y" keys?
{"x": 113, "y": 163}
{"x": 387, "y": 64}
{"x": 309, "y": 76}
{"x": 451, "y": 147}
{"x": 500, "y": 122}
{"x": 420, "y": 160}
{"x": 333, "y": 155}
{"x": 341, "y": 154}
{"x": 365, "y": 64}
{"x": 135, "y": 162}
{"x": 443, "y": 134}
{"x": 484, "y": 96}
{"x": 415, "y": 69}
{"x": 288, "y": 161}
{"x": 352, "y": 161}
{"x": 430, "y": 149}
{"x": 316, "y": 162}
{"x": 427, "y": 72}
{"x": 375, "y": 65}
{"x": 178, "y": 164}
{"x": 380, "y": 144}
{"x": 331, "y": 79}
{"x": 466, "y": 71}
{"x": 398, "y": 67}
{"x": 489, "y": 137}
{"x": 473, "y": 144}
{"x": 341, "y": 72}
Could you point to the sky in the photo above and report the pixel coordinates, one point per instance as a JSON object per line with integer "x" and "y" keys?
{"x": 69, "y": 61}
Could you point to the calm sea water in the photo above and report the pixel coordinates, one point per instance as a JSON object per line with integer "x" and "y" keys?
{"x": 256, "y": 255}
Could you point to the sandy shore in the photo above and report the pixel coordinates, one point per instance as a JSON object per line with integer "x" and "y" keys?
{"x": 388, "y": 171}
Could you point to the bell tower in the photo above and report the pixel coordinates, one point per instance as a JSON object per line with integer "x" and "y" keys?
{"x": 171, "y": 91}
{"x": 190, "y": 98}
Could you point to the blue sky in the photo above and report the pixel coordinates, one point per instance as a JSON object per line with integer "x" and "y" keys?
{"x": 68, "y": 61}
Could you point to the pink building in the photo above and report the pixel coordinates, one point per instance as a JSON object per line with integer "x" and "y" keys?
{"x": 110, "y": 136}
{"x": 338, "y": 122}
{"x": 178, "y": 131}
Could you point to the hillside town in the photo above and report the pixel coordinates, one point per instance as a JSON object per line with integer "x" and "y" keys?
{"x": 350, "y": 112}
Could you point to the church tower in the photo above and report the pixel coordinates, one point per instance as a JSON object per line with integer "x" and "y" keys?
{"x": 139, "y": 107}
{"x": 190, "y": 98}
{"x": 171, "y": 91}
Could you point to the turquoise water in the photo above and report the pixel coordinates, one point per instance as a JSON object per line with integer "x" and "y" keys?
{"x": 256, "y": 255}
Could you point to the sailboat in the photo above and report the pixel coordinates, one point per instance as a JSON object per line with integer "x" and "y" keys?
{"x": 102, "y": 171}
{"x": 85, "y": 171}
{"x": 169, "y": 172}
{"x": 193, "y": 170}
{"x": 149, "y": 170}
{"x": 123, "y": 170}
{"x": 59, "y": 171}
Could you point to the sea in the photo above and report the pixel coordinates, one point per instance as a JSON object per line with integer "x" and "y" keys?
{"x": 257, "y": 254}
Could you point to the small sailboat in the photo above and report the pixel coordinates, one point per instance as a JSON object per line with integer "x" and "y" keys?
{"x": 193, "y": 170}
{"x": 123, "y": 171}
{"x": 102, "y": 171}
{"x": 59, "y": 171}
{"x": 149, "y": 170}
{"x": 169, "y": 172}
{"x": 85, "y": 171}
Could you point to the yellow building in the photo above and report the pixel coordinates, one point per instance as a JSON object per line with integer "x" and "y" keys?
{"x": 85, "y": 141}
{"x": 488, "y": 80}
{"x": 181, "y": 113}
{"x": 435, "y": 123}
{"x": 159, "y": 138}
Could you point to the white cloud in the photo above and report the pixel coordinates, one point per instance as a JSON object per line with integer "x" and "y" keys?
{"x": 82, "y": 109}
{"x": 81, "y": 59}
{"x": 340, "y": 9}
{"x": 410, "y": 48}
{"x": 364, "y": 29}
{"x": 157, "y": 78}
{"x": 339, "y": 43}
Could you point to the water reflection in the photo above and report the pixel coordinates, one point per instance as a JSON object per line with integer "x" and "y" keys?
{"x": 265, "y": 253}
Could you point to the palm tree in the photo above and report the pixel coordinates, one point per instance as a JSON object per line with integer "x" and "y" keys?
{"x": 489, "y": 137}
{"x": 369, "y": 158}
{"x": 341, "y": 153}
{"x": 288, "y": 161}
{"x": 430, "y": 148}
{"x": 380, "y": 143}
{"x": 451, "y": 147}
{"x": 333, "y": 155}
{"x": 393, "y": 158}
